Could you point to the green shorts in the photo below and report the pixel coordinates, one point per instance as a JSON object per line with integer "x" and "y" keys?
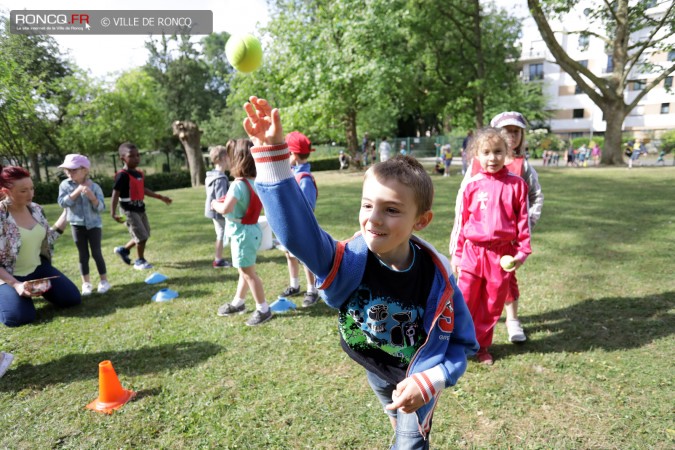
{"x": 244, "y": 243}
{"x": 139, "y": 228}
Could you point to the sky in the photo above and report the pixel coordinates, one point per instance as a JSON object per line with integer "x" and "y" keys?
{"x": 104, "y": 55}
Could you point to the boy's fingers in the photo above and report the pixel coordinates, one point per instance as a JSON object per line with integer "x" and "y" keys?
{"x": 250, "y": 111}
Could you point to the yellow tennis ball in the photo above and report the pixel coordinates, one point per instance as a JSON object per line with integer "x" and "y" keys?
{"x": 508, "y": 263}
{"x": 244, "y": 52}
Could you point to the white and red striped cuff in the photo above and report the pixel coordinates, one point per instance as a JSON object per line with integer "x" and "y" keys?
{"x": 272, "y": 163}
{"x": 430, "y": 382}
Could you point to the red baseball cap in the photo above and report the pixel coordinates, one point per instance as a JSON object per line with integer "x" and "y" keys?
{"x": 298, "y": 143}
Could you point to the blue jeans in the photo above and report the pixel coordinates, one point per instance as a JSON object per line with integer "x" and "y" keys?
{"x": 16, "y": 310}
{"x": 408, "y": 436}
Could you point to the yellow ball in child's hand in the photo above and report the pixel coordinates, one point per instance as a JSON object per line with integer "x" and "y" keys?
{"x": 244, "y": 52}
{"x": 508, "y": 263}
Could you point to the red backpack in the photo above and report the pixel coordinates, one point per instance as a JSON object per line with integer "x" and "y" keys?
{"x": 254, "y": 206}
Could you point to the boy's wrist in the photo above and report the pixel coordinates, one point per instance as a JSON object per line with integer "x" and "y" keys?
{"x": 272, "y": 162}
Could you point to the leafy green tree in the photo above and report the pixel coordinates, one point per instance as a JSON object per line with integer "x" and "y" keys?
{"x": 193, "y": 85}
{"x": 632, "y": 33}
{"x": 467, "y": 53}
{"x": 31, "y": 94}
{"x": 334, "y": 67}
{"x": 100, "y": 118}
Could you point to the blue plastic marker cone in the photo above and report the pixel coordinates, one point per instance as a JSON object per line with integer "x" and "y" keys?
{"x": 156, "y": 278}
{"x": 164, "y": 295}
{"x": 282, "y": 305}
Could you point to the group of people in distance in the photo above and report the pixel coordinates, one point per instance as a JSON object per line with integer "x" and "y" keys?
{"x": 27, "y": 238}
{"x": 401, "y": 313}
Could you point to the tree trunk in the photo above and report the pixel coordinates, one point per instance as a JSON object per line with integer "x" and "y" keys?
{"x": 190, "y": 135}
{"x": 479, "y": 98}
{"x": 35, "y": 165}
{"x": 350, "y": 132}
{"x": 612, "y": 154}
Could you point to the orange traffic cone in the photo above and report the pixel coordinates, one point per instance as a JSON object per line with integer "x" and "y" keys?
{"x": 111, "y": 394}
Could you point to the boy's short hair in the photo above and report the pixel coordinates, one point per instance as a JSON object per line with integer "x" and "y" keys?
{"x": 408, "y": 171}
{"x": 217, "y": 152}
{"x": 241, "y": 161}
{"x": 126, "y": 148}
{"x": 486, "y": 135}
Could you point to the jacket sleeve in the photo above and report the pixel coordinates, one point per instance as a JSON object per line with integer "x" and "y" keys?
{"x": 98, "y": 192}
{"x": 288, "y": 212}
{"x": 535, "y": 195}
{"x": 457, "y": 226}
{"x": 220, "y": 187}
{"x": 463, "y": 341}
{"x": 64, "y": 200}
{"x": 309, "y": 191}
{"x": 462, "y": 344}
{"x": 523, "y": 224}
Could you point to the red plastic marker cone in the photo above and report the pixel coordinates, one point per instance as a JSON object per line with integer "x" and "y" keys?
{"x": 111, "y": 394}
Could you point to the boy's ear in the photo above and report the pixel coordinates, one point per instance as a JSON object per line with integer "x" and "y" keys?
{"x": 423, "y": 220}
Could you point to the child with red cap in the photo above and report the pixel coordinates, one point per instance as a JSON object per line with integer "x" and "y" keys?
{"x": 300, "y": 147}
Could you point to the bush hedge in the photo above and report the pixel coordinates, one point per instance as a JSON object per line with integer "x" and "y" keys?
{"x": 46, "y": 193}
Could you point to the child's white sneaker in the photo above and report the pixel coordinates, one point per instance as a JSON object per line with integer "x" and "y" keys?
{"x": 516, "y": 333}
{"x": 86, "y": 289}
{"x": 103, "y": 287}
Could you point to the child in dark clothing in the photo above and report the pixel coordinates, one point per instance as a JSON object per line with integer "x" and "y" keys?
{"x": 401, "y": 315}
{"x": 128, "y": 192}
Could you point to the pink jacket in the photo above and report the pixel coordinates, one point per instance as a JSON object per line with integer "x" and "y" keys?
{"x": 494, "y": 212}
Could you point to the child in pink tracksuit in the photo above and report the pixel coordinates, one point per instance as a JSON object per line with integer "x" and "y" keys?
{"x": 494, "y": 222}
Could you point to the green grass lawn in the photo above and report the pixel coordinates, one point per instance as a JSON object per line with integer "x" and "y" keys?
{"x": 598, "y": 296}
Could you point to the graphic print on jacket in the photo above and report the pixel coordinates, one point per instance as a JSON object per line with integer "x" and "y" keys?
{"x": 381, "y": 323}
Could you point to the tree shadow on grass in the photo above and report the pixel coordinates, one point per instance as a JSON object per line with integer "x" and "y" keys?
{"x": 130, "y": 296}
{"x": 612, "y": 323}
{"x": 81, "y": 366}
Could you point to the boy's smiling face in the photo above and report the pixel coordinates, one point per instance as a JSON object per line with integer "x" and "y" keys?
{"x": 388, "y": 217}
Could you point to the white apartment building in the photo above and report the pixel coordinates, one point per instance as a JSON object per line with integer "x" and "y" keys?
{"x": 573, "y": 113}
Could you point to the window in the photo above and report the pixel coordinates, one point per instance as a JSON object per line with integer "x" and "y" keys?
{"x": 583, "y": 42}
{"x": 584, "y": 62}
{"x": 671, "y": 55}
{"x": 668, "y": 82}
{"x": 610, "y": 63}
{"x": 578, "y": 113}
{"x": 577, "y": 90}
{"x": 536, "y": 71}
{"x": 639, "y": 85}
{"x": 665, "y": 108}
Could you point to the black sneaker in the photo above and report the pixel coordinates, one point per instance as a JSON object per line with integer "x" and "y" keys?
{"x": 290, "y": 292}
{"x": 227, "y": 309}
{"x": 310, "y": 299}
{"x": 258, "y": 318}
{"x": 123, "y": 253}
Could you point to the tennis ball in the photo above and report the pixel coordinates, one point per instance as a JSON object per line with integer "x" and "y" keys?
{"x": 244, "y": 52}
{"x": 508, "y": 263}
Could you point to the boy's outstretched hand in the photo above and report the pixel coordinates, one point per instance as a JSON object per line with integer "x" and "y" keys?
{"x": 262, "y": 124}
{"x": 406, "y": 397}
